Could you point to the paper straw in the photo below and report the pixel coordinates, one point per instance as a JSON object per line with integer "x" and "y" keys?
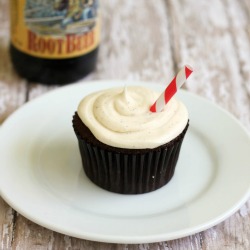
{"x": 171, "y": 89}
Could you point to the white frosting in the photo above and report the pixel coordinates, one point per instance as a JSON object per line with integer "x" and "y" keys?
{"x": 120, "y": 117}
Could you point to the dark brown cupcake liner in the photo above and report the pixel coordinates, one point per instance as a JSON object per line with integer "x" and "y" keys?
{"x": 130, "y": 173}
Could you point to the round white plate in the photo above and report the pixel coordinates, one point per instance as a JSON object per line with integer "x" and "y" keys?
{"x": 41, "y": 175}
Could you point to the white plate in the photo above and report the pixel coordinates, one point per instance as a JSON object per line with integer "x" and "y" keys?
{"x": 41, "y": 175}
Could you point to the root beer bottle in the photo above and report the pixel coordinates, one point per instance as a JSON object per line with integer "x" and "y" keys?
{"x": 54, "y": 41}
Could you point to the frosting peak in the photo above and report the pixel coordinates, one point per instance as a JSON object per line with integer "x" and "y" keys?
{"x": 120, "y": 117}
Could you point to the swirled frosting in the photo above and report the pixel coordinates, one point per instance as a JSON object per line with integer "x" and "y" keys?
{"x": 120, "y": 117}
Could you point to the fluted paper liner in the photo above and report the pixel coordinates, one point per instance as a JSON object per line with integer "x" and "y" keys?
{"x": 130, "y": 173}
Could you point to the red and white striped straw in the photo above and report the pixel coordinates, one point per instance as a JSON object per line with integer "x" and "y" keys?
{"x": 171, "y": 89}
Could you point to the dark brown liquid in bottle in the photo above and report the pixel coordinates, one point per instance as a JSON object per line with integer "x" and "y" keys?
{"x": 53, "y": 71}
{"x": 54, "y": 42}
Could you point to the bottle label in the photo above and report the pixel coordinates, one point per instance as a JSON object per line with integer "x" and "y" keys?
{"x": 55, "y": 29}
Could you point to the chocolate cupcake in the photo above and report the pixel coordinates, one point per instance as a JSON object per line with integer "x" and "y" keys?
{"x": 125, "y": 148}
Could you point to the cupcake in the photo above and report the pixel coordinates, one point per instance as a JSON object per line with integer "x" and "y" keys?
{"x": 125, "y": 148}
